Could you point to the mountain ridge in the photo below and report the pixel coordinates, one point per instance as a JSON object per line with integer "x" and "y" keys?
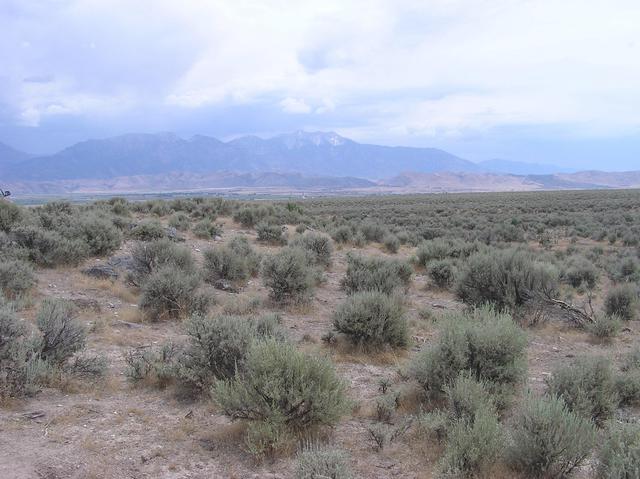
{"x": 308, "y": 153}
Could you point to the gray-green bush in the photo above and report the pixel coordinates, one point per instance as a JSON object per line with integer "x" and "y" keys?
{"x": 622, "y": 301}
{"x": 487, "y": 344}
{"x": 507, "y": 279}
{"x": 547, "y": 439}
{"x": 180, "y": 221}
{"x": 169, "y": 293}
{"x": 218, "y": 347}
{"x": 375, "y": 274}
{"x": 472, "y": 447}
{"x": 271, "y": 233}
{"x": 206, "y": 229}
{"x": 62, "y": 334}
{"x": 149, "y": 256}
{"x": 282, "y": 390}
{"x": 288, "y": 276}
{"x": 619, "y": 457}
{"x": 317, "y": 461}
{"x": 318, "y": 245}
{"x": 372, "y": 319}
{"x": 100, "y": 234}
{"x": 148, "y": 230}
{"x": 587, "y": 386}
{"x": 16, "y": 278}
{"x": 442, "y": 272}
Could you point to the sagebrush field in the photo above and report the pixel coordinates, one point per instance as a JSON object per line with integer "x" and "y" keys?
{"x": 470, "y": 335}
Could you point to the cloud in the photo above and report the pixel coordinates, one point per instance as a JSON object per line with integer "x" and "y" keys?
{"x": 294, "y": 105}
{"x": 395, "y": 69}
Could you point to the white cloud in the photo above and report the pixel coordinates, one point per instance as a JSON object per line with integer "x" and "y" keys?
{"x": 412, "y": 67}
{"x": 294, "y": 105}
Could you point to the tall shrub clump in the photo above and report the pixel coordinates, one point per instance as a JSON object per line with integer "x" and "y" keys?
{"x": 281, "y": 391}
{"x": 376, "y": 274}
{"x": 486, "y": 344}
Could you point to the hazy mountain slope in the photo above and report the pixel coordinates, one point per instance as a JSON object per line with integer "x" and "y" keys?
{"x": 617, "y": 179}
{"x": 9, "y": 156}
{"x": 300, "y": 152}
{"x": 520, "y": 168}
{"x": 189, "y": 181}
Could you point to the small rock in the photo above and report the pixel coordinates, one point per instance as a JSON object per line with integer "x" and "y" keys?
{"x": 224, "y": 285}
{"x": 101, "y": 271}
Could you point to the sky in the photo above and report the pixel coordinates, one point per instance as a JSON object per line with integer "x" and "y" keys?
{"x": 548, "y": 81}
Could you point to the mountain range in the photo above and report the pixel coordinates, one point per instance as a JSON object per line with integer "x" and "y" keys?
{"x": 299, "y": 152}
{"x": 298, "y": 160}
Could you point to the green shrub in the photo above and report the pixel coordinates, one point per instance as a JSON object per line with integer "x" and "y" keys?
{"x": 169, "y": 293}
{"x": 233, "y": 262}
{"x": 148, "y": 230}
{"x": 49, "y": 248}
{"x": 218, "y": 347}
{"x": 342, "y": 234}
{"x": 487, "y": 344}
{"x": 16, "y": 278}
{"x": 627, "y": 381}
{"x": 605, "y": 327}
{"x": 160, "y": 208}
{"x": 442, "y": 273}
{"x": 10, "y": 215}
{"x": 206, "y": 229}
{"x": 100, "y": 235}
{"x": 158, "y": 365}
{"x": 288, "y": 275}
{"x": 505, "y": 278}
{"x": 248, "y": 217}
{"x": 270, "y": 233}
{"x": 587, "y": 386}
{"x": 625, "y": 269}
{"x": 26, "y": 363}
{"x": 441, "y": 249}
{"x": 581, "y": 271}
{"x": 318, "y": 245}
{"x": 391, "y": 243}
{"x": 619, "y": 457}
{"x": 622, "y": 301}
{"x": 467, "y": 397}
{"x": 180, "y": 221}
{"x": 62, "y": 333}
{"x": 149, "y": 256}
{"x": 284, "y": 389}
{"x": 373, "y": 231}
{"x": 372, "y": 319}
{"x": 375, "y": 274}
{"x": 548, "y": 440}
{"x": 472, "y": 447}
{"x": 315, "y": 462}
{"x": 20, "y": 366}
{"x": 11, "y": 330}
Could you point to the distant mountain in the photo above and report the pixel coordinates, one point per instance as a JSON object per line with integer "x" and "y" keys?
{"x": 520, "y": 168}
{"x": 11, "y": 155}
{"x": 307, "y": 153}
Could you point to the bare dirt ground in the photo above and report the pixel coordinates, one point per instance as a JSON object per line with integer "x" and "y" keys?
{"x": 115, "y": 430}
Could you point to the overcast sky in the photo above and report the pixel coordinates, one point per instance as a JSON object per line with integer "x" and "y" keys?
{"x": 553, "y": 81}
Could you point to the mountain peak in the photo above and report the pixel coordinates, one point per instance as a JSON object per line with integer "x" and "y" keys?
{"x": 300, "y": 138}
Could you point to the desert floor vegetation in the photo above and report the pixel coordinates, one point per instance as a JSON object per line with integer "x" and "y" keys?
{"x": 471, "y": 335}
